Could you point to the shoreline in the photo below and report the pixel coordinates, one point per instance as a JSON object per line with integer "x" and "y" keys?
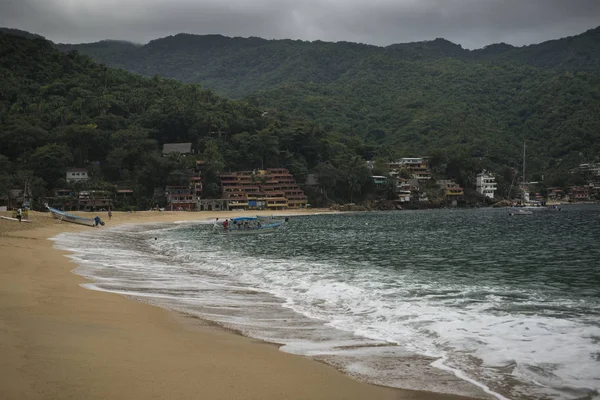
{"x": 61, "y": 340}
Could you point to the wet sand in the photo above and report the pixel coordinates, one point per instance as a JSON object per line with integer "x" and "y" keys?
{"x": 61, "y": 341}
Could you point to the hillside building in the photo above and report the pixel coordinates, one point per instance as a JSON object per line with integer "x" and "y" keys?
{"x": 486, "y": 184}
{"x": 186, "y": 197}
{"x": 77, "y": 175}
{"x": 451, "y": 190}
{"x": 404, "y": 190}
{"x": 272, "y": 188}
{"x": 180, "y": 198}
{"x": 181, "y": 148}
{"x": 417, "y": 168}
{"x": 579, "y": 193}
{"x": 379, "y": 180}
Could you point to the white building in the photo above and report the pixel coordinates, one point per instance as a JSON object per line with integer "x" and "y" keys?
{"x": 486, "y": 184}
{"x": 77, "y": 175}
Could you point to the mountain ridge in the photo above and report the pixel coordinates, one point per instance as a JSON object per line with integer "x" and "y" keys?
{"x": 426, "y": 98}
{"x": 229, "y": 64}
{"x": 413, "y": 97}
{"x": 591, "y": 31}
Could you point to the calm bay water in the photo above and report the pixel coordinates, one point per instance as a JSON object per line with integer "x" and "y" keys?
{"x": 406, "y": 299}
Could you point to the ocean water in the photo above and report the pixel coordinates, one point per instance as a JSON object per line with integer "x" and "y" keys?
{"x": 471, "y": 302}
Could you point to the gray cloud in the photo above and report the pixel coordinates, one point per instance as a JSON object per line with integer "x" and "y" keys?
{"x": 471, "y": 23}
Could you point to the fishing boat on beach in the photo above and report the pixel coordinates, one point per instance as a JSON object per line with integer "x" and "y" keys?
{"x": 63, "y": 216}
{"x": 248, "y": 226}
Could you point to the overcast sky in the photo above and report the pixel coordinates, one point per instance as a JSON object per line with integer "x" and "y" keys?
{"x": 471, "y": 23}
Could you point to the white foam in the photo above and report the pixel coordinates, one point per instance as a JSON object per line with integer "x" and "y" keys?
{"x": 196, "y": 222}
{"x": 459, "y": 374}
{"x": 380, "y": 306}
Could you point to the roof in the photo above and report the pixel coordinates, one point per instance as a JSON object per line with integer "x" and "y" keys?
{"x": 124, "y": 191}
{"x": 183, "y": 148}
{"x": 77, "y": 170}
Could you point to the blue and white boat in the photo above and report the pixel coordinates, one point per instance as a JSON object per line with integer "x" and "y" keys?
{"x": 248, "y": 226}
{"x": 63, "y": 216}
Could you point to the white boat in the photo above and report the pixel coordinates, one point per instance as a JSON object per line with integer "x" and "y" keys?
{"x": 248, "y": 226}
{"x": 526, "y": 205}
{"x": 63, "y": 216}
{"x": 519, "y": 212}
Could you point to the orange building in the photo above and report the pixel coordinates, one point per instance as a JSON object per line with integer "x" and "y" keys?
{"x": 273, "y": 188}
{"x": 450, "y": 189}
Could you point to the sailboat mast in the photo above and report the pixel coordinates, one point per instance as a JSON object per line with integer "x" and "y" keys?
{"x": 523, "y": 163}
{"x": 523, "y": 184}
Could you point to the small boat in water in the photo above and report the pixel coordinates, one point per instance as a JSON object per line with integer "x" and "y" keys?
{"x": 519, "y": 212}
{"x": 248, "y": 226}
{"x": 63, "y": 216}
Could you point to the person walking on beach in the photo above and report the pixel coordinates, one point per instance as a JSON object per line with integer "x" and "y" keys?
{"x": 19, "y": 214}
{"x": 216, "y": 224}
{"x": 109, "y": 214}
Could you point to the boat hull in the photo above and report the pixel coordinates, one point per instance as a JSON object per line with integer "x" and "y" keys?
{"x": 63, "y": 216}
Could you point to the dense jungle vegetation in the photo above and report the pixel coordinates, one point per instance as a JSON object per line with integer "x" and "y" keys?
{"x": 416, "y": 98}
{"x": 311, "y": 107}
{"x": 64, "y": 110}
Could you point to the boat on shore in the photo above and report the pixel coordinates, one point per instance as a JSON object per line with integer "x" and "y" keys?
{"x": 63, "y": 216}
{"x": 249, "y": 226}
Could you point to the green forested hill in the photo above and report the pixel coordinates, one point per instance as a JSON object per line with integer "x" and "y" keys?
{"x": 325, "y": 103}
{"x": 413, "y": 98}
{"x": 18, "y": 32}
{"x": 233, "y": 67}
{"x": 240, "y": 66}
{"x": 63, "y": 110}
{"x": 574, "y": 53}
{"x": 451, "y": 105}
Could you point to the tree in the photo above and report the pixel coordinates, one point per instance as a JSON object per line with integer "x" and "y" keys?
{"x": 51, "y": 161}
{"x": 354, "y": 175}
{"x": 21, "y": 137}
{"x": 213, "y": 165}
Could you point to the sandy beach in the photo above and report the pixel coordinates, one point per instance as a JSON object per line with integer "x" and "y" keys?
{"x": 61, "y": 341}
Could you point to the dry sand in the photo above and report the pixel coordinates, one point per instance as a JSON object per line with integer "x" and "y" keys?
{"x": 61, "y": 341}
